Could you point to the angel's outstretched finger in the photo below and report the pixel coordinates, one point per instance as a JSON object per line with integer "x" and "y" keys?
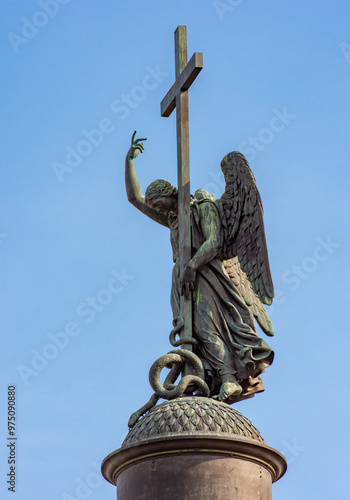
{"x": 137, "y": 140}
{"x": 133, "y": 137}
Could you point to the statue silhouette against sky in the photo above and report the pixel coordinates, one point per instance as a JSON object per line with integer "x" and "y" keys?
{"x": 221, "y": 277}
{"x": 228, "y": 275}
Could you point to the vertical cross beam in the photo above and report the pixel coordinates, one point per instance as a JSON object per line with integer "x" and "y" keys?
{"x": 185, "y": 73}
{"x": 183, "y": 174}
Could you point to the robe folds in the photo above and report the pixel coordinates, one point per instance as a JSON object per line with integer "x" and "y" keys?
{"x": 222, "y": 322}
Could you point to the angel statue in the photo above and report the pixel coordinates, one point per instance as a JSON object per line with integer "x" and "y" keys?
{"x": 228, "y": 275}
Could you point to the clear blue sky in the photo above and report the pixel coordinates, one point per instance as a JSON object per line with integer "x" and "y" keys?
{"x": 78, "y": 78}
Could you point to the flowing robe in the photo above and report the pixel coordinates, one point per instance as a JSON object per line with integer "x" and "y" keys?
{"x": 222, "y": 323}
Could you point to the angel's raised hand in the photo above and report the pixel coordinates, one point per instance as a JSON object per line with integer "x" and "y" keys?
{"x": 136, "y": 146}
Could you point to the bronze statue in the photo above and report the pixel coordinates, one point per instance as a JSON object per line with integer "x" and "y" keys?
{"x": 228, "y": 275}
{"x": 221, "y": 278}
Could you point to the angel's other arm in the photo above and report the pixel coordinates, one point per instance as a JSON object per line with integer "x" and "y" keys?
{"x": 211, "y": 225}
{"x": 133, "y": 188}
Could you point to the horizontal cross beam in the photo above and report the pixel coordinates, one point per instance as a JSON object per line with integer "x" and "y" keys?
{"x": 182, "y": 84}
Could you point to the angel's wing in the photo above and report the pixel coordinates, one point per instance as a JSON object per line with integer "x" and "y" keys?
{"x": 243, "y": 227}
{"x": 243, "y": 285}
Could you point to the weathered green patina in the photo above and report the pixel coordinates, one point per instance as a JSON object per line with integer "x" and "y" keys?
{"x": 221, "y": 277}
{"x": 228, "y": 275}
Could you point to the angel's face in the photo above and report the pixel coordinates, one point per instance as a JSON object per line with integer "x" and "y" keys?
{"x": 163, "y": 204}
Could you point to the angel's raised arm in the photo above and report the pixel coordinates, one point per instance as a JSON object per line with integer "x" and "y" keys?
{"x": 133, "y": 188}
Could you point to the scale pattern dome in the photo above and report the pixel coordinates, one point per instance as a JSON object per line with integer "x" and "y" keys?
{"x": 192, "y": 415}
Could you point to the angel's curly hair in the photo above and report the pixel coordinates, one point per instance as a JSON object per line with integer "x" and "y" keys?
{"x": 160, "y": 188}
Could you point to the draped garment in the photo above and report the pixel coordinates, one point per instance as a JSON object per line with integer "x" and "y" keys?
{"x": 222, "y": 322}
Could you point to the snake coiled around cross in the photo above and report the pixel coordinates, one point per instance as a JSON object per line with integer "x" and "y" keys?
{"x": 175, "y": 361}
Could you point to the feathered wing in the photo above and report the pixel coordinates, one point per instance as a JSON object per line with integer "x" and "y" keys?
{"x": 240, "y": 280}
{"x": 243, "y": 236}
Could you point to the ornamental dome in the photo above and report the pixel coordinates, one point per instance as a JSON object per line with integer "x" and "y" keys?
{"x": 192, "y": 416}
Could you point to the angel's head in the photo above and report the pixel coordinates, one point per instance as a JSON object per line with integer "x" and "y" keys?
{"x": 162, "y": 196}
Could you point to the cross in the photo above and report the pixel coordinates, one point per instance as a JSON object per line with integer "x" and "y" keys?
{"x": 185, "y": 74}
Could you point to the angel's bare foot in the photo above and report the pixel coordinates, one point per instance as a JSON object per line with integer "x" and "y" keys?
{"x": 228, "y": 390}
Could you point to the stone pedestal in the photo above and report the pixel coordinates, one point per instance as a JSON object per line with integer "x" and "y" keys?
{"x": 194, "y": 448}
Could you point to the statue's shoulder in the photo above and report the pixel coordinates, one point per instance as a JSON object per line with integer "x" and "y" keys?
{"x": 205, "y": 200}
{"x": 202, "y": 195}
